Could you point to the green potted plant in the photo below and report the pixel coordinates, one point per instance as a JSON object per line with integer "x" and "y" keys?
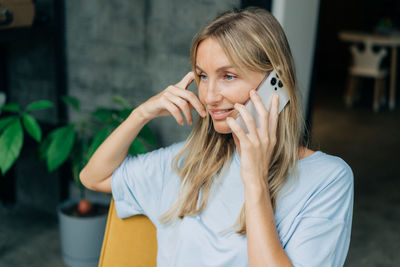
{"x": 14, "y": 121}
{"x": 82, "y": 223}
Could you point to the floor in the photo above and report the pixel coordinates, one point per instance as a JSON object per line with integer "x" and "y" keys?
{"x": 368, "y": 142}
{"x": 28, "y": 238}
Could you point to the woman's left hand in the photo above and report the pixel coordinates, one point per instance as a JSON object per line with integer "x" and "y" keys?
{"x": 257, "y": 145}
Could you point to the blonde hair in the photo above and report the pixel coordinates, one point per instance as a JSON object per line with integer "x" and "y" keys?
{"x": 251, "y": 38}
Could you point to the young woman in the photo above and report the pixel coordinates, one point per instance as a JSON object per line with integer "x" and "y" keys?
{"x": 225, "y": 197}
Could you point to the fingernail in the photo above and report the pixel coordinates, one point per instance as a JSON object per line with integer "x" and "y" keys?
{"x": 252, "y": 92}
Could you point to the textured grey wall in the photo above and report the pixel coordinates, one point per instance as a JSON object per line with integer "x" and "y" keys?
{"x": 134, "y": 49}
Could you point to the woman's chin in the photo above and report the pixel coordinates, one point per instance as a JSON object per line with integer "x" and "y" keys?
{"x": 221, "y": 127}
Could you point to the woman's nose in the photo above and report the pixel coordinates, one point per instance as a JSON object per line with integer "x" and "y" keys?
{"x": 213, "y": 94}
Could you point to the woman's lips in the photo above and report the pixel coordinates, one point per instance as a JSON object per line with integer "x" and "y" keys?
{"x": 220, "y": 114}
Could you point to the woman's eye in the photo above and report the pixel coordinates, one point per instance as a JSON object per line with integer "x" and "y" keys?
{"x": 229, "y": 77}
{"x": 202, "y": 77}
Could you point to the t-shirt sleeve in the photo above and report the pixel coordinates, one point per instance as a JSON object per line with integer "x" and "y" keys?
{"x": 322, "y": 234}
{"x": 137, "y": 184}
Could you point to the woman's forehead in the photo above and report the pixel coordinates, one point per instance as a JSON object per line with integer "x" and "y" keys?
{"x": 210, "y": 51}
{"x": 211, "y": 55}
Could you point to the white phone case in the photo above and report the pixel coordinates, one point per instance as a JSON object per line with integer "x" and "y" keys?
{"x": 270, "y": 86}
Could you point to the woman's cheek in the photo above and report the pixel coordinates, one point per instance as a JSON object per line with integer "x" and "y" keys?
{"x": 201, "y": 93}
{"x": 237, "y": 93}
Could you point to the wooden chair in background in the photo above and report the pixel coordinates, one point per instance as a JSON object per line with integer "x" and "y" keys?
{"x": 130, "y": 242}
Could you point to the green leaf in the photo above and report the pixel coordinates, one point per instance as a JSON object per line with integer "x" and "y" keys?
{"x": 120, "y": 101}
{"x": 44, "y": 146}
{"x": 123, "y": 114}
{"x": 97, "y": 141}
{"x": 41, "y": 104}
{"x": 11, "y": 144}
{"x": 77, "y": 180}
{"x": 79, "y": 152}
{"x": 12, "y": 106}
{"x": 137, "y": 147}
{"x": 59, "y": 149}
{"x": 103, "y": 114}
{"x": 148, "y": 136}
{"x": 32, "y": 127}
{"x": 71, "y": 101}
{"x": 6, "y": 121}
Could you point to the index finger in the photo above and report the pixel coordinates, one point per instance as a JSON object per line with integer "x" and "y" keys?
{"x": 193, "y": 101}
{"x": 186, "y": 81}
{"x": 273, "y": 120}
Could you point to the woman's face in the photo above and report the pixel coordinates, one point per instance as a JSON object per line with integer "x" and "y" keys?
{"x": 221, "y": 85}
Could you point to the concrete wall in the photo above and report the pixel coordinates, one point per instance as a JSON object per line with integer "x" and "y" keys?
{"x": 134, "y": 49}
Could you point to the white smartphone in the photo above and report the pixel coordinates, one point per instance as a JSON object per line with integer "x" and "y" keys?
{"x": 268, "y": 87}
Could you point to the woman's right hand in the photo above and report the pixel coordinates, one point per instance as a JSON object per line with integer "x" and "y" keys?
{"x": 174, "y": 100}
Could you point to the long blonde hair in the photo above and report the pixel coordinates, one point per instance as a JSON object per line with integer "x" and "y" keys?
{"x": 251, "y": 38}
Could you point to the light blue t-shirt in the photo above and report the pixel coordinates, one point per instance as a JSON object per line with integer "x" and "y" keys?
{"x": 313, "y": 215}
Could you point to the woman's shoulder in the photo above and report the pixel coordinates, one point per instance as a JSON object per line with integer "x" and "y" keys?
{"x": 319, "y": 158}
{"x": 165, "y": 151}
{"x": 173, "y": 148}
{"x": 327, "y": 167}
{"x": 161, "y": 157}
{"x": 317, "y": 176}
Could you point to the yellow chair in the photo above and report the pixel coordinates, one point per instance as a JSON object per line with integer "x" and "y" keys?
{"x": 130, "y": 242}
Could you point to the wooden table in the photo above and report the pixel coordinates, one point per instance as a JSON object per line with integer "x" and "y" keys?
{"x": 390, "y": 40}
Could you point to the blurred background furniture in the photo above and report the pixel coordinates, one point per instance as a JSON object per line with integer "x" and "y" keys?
{"x": 366, "y": 63}
{"x": 130, "y": 242}
{"x": 388, "y": 40}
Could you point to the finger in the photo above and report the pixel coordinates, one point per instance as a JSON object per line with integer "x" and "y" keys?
{"x": 186, "y": 81}
{"x": 192, "y": 99}
{"x": 262, "y": 112}
{"x": 237, "y": 130}
{"x": 248, "y": 120}
{"x": 273, "y": 118}
{"x": 175, "y": 112}
{"x": 182, "y": 104}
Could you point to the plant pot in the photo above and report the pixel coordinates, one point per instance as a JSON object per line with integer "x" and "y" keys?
{"x": 81, "y": 237}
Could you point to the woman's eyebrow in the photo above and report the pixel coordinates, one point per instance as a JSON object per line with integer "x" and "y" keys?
{"x": 220, "y": 69}
{"x": 200, "y": 69}
{"x": 223, "y": 68}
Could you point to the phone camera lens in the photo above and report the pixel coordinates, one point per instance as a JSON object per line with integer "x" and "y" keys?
{"x": 273, "y": 81}
{"x": 276, "y": 88}
{"x": 280, "y": 84}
